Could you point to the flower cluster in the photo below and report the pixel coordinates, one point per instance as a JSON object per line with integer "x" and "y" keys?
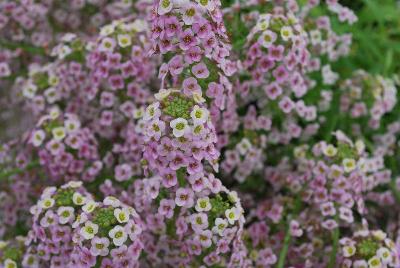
{"x": 12, "y": 254}
{"x": 107, "y": 234}
{"x": 65, "y": 150}
{"x": 49, "y": 242}
{"x": 216, "y": 133}
{"x": 369, "y": 249}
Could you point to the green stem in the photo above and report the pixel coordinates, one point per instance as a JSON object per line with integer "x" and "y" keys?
{"x": 393, "y": 186}
{"x": 285, "y": 247}
{"x": 395, "y": 191}
{"x": 8, "y": 173}
{"x": 25, "y": 47}
{"x": 335, "y": 244}
{"x": 288, "y": 238}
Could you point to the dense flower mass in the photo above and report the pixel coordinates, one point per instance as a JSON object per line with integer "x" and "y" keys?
{"x": 196, "y": 133}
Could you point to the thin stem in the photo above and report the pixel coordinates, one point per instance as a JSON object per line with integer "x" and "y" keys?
{"x": 395, "y": 191}
{"x": 25, "y": 47}
{"x": 285, "y": 247}
{"x": 8, "y": 173}
{"x": 288, "y": 238}
{"x": 335, "y": 244}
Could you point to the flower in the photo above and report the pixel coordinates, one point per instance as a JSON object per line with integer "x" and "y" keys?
{"x": 38, "y": 137}
{"x": 65, "y": 214}
{"x": 184, "y": 197}
{"x": 89, "y": 206}
{"x": 205, "y": 238}
{"x": 152, "y": 111}
{"x": 118, "y": 235}
{"x": 203, "y": 204}
{"x": 59, "y": 133}
{"x": 100, "y": 246}
{"x": 46, "y": 203}
{"x": 330, "y": 150}
{"x": 349, "y": 164}
{"x": 384, "y": 254}
{"x": 374, "y": 262}
{"x": 122, "y": 215}
{"x": 232, "y": 215}
{"x": 200, "y": 70}
{"x": 124, "y": 40}
{"x": 164, "y": 7}
{"x": 267, "y": 38}
{"x": 179, "y": 126}
{"x": 89, "y": 230}
{"x": 107, "y": 44}
{"x": 349, "y": 250}
{"x": 78, "y": 199}
{"x": 111, "y": 201}
{"x": 8, "y": 263}
{"x": 286, "y": 33}
{"x": 220, "y": 225}
{"x": 199, "y": 115}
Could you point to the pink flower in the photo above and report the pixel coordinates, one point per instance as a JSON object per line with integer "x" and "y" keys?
{"x": 200, "y": 70}
{"x": 184, "y": 197}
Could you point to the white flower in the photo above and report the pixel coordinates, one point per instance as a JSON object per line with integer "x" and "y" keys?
{"x": 54, "y": 112}
{"x": 111, "y": 201}
{"x": 330, "y": 150}
{"x": 378, "y": 234}
{"x": 51, "y": 95}
{"x": 89, "y": 206}
{"x": 81, "y": 218}
{"x": 233, "y": 197}
{"x": 74, "y": 184}
{"x": 243, "y": 146}
{"x": 100, "y": 246}
{"x": 53, "y": 80}
{"x": 374, "y": 262}
{"x": 72, "y": 125}
{"x": 360, "y": 146}
{"x": 220, "y": 225}
{"x": 349, "y": 164}
{"x": 89, "y": 230}
{"x": 46, "y": 203}
{"x": 198, "y": 97}
{"x": 384, "y": 254}
{"x": 199, "y": 115}
{"x": 63, "y": 51}
{"x": 122, "y": 215}
{"x": 78, "y": 199}
{"x": 29, "y": 90}
{"x": 38, "y": 137}
{"x": 349, "y": 250}
{"x": 124, "y": 40}
{"x": 162, "y": 94}
{"x": 164, "y": 7}
{"x": 58, "y": 133}
{"x": 263, "y": 22}
{"x": 203, "y": 204}
{"x": 65, "y": 214}
{"x": 267, "y": 38}
{"x": 179, "y": 126}
{"x": 232, "y": 215}
{"x": 152, "y": 111}
{"x": 118, "y": 235}
{"x": 286, "y": 33}
{"x": 107, "y": 30}
{"x": 8, "y": 263}
{"x": 107, "y": 45}
{"x": 208, "y": 4}
{"x": 139, "y": 25}
{"x": 138, "y": 113}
